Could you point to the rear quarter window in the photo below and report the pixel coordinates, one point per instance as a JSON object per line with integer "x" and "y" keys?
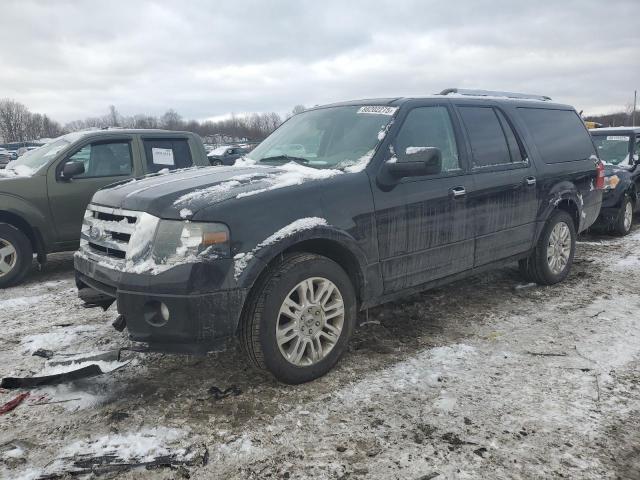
{"x": 559, "y": 135}
{"x": 171, "y": 153}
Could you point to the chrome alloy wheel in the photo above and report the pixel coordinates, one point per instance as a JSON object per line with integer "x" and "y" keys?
{"x": 8, "y": 257}
{"x": 559, "y": 248}
{"x": 628, "y": 216}
{"x": 310, "y": 321}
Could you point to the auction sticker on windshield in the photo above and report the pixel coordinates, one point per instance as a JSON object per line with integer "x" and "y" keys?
{"x": 162, "y": 156}
{"x": 378, "y": 110}
{"x": 619, "y": 138}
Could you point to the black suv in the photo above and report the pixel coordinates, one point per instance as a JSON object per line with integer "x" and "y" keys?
{"x": 619, "y": 149}
{"x": 386, "y": 197}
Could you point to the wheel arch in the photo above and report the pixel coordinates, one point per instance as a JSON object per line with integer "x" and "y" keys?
{"x": 331, "y": 243}
{"x": 37, "y": 244}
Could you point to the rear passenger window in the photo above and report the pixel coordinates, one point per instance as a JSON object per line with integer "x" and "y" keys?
{"x": 169, "y": 153}
{"x": 428, "y": 127}
{"x": 488, "y": 141}
{"x": 559, "y": 135}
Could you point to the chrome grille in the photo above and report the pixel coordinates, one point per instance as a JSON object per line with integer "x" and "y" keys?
{"x": 107, "y": 231}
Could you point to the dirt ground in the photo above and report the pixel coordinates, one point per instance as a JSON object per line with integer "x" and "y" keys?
{"x": 488, "y": 378}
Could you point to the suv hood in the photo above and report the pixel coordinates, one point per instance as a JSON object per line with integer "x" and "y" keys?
{"x": 182, "y": 193}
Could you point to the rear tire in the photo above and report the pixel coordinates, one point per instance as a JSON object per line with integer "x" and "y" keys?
{"x": 551, "y": 260}
{"x": 624, "y": 222}
{"x": 299, "y": 318}
{"x": 16, "y": 255}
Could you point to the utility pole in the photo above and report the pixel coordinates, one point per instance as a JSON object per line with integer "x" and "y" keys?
{"x": 633, "y": 115}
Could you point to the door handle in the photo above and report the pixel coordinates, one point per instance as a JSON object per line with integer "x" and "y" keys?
{"x": 531, "y": 181}
{"x": 458, "y": 192}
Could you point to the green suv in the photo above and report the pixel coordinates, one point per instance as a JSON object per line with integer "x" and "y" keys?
{"x": 44, "y": 193}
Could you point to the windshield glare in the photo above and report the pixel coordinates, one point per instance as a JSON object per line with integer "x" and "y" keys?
{"x": 613, "y": 149}
{"x": 34, "y": 159}
{"x": 334, "y": 137}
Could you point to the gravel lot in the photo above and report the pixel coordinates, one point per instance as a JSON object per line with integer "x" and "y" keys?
{"x": 487, "y": 378}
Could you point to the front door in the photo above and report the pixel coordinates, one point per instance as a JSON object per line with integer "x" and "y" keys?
{"x": 105, "y": 162}
{"x": 423, "y": 223}
{"x": 504, "y": 199}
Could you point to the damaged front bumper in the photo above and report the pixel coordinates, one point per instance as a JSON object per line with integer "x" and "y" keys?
{"x": 191, "y": 308}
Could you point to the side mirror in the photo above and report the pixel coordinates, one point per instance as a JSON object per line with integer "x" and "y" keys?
{"x": 72, "y": 169}
{"x": 420, "y": 161}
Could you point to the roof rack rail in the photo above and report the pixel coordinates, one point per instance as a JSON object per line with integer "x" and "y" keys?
{"x": 490, "y": 93}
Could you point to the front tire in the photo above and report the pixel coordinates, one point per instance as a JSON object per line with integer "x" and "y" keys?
{"x": 551, "y": 260}
{"x": 16, "y": 255}
{"x": 299, "y": 318}
{"x": 624, "y": 222}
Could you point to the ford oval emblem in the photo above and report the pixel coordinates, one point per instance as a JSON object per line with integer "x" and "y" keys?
{"x": 96, "y": 233}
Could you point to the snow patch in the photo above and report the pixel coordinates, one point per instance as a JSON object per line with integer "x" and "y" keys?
{"x": 55, "y": 340}
{"x": 17, "y": 171}
{"x": 19, "y": 302}
{"x": 291, "y": 174}
{"x": 185, "y": 213}
{"x": 142, "y": 446}
{"x": 208, "y": 193}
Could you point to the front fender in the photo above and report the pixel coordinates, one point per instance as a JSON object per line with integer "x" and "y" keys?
{"x": 249, "y": 265}
{"x": 16, "y": 206}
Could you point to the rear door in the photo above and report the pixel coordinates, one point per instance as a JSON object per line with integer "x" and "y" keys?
{"x": 162, "y": 153}
{"x": 105, "y": 161}
{"x": 425, "y": 230}
{"x": 504, "y": 199}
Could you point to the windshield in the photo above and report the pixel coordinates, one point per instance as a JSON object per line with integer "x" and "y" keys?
{"x": 334, "y": 137}
{"x": 613, "y": 149}
{"x": 34, "y": 159}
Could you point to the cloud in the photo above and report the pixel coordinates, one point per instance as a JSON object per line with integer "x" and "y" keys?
{"x": 71, "y": 59}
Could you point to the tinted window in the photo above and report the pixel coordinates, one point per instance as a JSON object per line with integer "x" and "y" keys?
{"x": 428, "y": 127}
{"x": 488, "y": 143}
{"x": 104, "y": 159}
{"x": 515, "y": 147}
{"x": 167, "y": 153}
{"x": 559, "y": 135}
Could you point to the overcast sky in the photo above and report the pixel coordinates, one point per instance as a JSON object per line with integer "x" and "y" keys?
{"x": 72, "y": 59}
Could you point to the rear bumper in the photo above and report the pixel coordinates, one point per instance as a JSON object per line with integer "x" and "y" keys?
{"x": 199, "y": 319}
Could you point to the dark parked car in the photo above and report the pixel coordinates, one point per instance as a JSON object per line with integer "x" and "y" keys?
{"x": 386, "y": 197}
{"x": 45, "y": 192}
{"x": 5, "y": 157}
{"x": 619, "y": 149}
{"x": 225, "y": 155}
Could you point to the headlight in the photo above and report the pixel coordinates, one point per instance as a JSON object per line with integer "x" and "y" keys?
{"x": 610, "y": 183}
{"x": 176, "y": 241}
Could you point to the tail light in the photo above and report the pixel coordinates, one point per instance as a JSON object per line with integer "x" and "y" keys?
{"x": 600, "y": 176}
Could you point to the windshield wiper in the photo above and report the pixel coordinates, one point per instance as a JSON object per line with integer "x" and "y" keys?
{"x": 278, "y": 158}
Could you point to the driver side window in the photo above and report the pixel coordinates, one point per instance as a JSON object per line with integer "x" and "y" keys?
{"x": 104, "y": 159}
{"x": 428, "y": 127}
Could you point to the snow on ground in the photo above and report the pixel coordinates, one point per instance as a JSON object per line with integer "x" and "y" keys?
{"x": 480, "y": 379}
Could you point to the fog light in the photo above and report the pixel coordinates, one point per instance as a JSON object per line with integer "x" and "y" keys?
{"x": 156, "y": 313}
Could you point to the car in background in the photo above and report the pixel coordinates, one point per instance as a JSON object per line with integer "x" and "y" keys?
{"x": 45, "y": 192}
{"x": 619, "y": 149}
{"x": 5, "y": 157}
{"x": 226, "y": 155}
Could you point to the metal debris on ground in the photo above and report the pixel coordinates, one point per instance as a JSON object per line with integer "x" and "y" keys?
{"x": 12, "y": 404}
{"x": 232, "y": 391}
{"x": 41, "y": 352}
{"x": 82, "y": 465}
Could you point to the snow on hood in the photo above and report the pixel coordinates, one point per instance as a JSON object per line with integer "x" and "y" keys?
{"x": 16, "y": 171}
